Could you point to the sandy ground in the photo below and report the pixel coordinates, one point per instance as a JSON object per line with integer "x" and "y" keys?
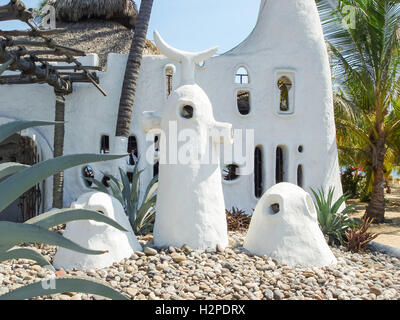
{"x": 388, "y": 232}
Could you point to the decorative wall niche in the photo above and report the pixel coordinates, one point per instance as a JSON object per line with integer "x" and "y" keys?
{"x": 284, "y": 84}
{"x": 169, "y": 72}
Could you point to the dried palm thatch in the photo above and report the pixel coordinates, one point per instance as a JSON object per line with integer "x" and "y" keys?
{"x": 121, "y": 11}
{"x": 101, "y": 37}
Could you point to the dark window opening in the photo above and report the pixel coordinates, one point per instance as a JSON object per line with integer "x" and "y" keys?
{"x": 230, "y": 172}
{"x": 275, "y": 208}
{"x": 258, "y": 172}
{"x": 132, "y": 150}
{"x": 242, "y": 76}
{"x": 284, "y": 85}
{"x": 132, "y": 145}
{"x": 279, "y": 174}
{"x": 300, "y": 149}
{"x": 105, "y": 144}
{"x": 88, "y": 172}
{"x": 130, "y": 176}
{"x": 169, "y": 75}
{"x": 243, "y": 102}
{"x": 156, "y": 169}
{"x": 105, "y": 180}
{"x": 300, "y": 176}
{"x": 187, "y": 112}
{"x": 156, "y": 143}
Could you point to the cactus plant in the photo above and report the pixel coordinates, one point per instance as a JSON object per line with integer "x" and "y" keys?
{"x": 18, "y": 179}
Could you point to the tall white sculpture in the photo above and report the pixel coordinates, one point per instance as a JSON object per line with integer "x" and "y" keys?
{"x": 97, "y": 236}
{"x": 190, "y": 201}
{"x": 284, "y": 226}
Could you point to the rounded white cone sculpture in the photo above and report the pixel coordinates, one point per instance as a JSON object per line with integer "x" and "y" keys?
{"x": 97, "y": 236}
{"x": 284, "y": 226}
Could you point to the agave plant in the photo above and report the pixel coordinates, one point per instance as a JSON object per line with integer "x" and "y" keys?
{"x": 18, "y": 179}
{"x": 358, "y": 237}
{"x": 333, "y": 223}
{"x": 141, "y": 214}
{"x": 237, "y": 220}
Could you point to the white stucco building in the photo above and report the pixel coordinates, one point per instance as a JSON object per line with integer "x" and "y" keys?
{"x": 281, "y": 74}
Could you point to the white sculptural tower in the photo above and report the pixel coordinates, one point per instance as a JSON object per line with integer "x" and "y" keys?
{"x": 284, "y": 226}
{"x": 190, "y": 202}
{"x": 97, "y": 236}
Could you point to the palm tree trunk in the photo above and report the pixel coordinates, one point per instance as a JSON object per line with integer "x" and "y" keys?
{"x": 132, "y": 69}
{"x": 58, "y": 179}
{"x": 376, "y": 207}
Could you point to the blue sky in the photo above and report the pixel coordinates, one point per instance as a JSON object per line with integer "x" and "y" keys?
{"x": 193, "y": 25}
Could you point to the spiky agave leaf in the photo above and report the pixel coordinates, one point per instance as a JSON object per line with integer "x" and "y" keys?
{"x": 9, "y": 168}
{"x": 14, "y": 186}
{"x": 24, "y": 253}
{"x": 9, "y": 128}
{"x": 14, "y": 233}
{"x": 64, "y": 284}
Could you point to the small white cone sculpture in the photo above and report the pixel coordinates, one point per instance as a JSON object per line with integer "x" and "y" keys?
{"x": 97, "y": 236}
{"x": 284, "y": 226}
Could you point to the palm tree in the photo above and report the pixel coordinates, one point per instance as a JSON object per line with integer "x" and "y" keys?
{"x": 132, "y": 69}
{"x": 366, "y": 64}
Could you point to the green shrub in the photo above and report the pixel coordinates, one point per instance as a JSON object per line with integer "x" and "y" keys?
{"x": 17, "y": 179}
{"x": 333, "y": 223}
{"x": 140, "y": 211}
{"x": 351, "y": 182}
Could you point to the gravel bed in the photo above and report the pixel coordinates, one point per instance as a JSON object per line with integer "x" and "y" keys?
{"x": 230, "y": 274}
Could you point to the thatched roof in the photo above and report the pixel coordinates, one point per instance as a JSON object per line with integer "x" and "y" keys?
{"x": 121, "y": 11}
{"x": 101, "y": 37}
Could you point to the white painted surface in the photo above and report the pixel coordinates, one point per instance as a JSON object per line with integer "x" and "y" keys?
{"x": 287, "y": 39}
{"x": 190, "y": 202}
{"x": 97, "y": 236}
{"x": 291, "y": 236}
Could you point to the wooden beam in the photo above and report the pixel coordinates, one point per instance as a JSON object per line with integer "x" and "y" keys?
{"x": 77, "y": 68}
{"x": 31, "y": 33}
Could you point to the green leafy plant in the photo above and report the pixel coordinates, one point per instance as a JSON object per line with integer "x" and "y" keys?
{"x": 358, "y": 237}
{"x": 17, "y": 179}
{"x": 237, "y": 220}
{"x": 140, "y": 210}
{"x": 333, "y": 223}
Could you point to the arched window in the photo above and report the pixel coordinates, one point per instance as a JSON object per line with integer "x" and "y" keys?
{"x": 242, "y": 76}
{"x": 300, "y": 176}
{"x": 105, "y": 144}
{"x": 258, "y": 172}
{"x": 243, "y": 102}
{"x": 230, "y": 172}
{"x": 284, "y": 85}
